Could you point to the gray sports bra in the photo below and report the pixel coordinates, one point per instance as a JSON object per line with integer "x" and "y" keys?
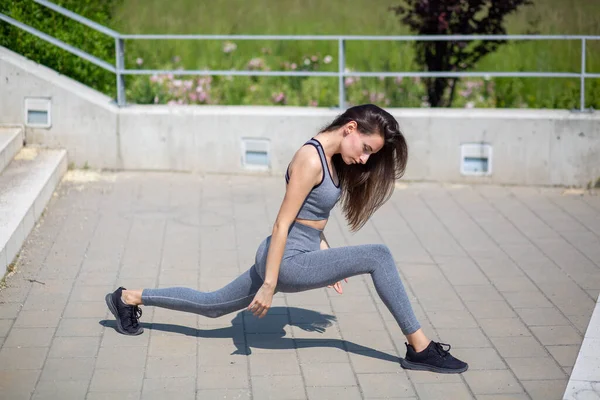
{"x": 324, "y": 196}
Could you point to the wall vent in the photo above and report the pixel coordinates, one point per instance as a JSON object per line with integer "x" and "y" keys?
{"x": 256, "y": 154}
{"x": 476, "y": 159}
{"x": 38, "y": 112}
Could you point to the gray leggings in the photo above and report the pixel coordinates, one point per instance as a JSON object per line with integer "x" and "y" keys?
{"x": 304, "y": 267}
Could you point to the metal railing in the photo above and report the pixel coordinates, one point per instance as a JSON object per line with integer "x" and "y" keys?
{"x": 120, "y": 71}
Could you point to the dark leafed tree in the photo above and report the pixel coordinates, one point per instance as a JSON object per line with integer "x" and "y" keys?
{"x": 454, "y": 17}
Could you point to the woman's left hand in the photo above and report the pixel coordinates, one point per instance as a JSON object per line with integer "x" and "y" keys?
{"x": 338, "y": 286}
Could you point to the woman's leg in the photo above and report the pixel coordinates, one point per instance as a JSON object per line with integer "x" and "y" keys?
{"x": 233, "y": 297}
{"x": 321, "y": 268}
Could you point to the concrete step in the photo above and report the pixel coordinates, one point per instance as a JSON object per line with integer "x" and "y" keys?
{"x": 11, "y": 141}
{"x": 26, "y": 186}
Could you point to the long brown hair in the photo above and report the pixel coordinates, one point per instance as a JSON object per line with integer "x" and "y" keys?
{"x": 365, "y": 187}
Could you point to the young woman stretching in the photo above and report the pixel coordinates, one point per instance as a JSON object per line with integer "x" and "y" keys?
{"x": 356, "y": 159}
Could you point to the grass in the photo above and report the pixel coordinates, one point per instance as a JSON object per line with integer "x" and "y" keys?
{"x": 355, "y": 17}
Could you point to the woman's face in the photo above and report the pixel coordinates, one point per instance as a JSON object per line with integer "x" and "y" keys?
{"x": 356, "y": 147}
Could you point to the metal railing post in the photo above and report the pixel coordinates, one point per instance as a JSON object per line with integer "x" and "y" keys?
{"x": 120, "y": 64}
{"x": 582, "y": 94}
{"x": 342, "y": 68}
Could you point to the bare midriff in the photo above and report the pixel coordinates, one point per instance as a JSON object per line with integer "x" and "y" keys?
{"x": 318, "y": 224}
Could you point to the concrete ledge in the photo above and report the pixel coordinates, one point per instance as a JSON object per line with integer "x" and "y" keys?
{"x": 584, "y": 382}
{"x": 25, "y": 189}
{"x": 11, "y": 141}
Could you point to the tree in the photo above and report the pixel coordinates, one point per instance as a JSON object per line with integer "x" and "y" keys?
{"x": 452, "y": 17}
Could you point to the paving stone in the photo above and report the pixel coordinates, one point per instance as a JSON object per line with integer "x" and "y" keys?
{"x": 19, "y": 358}
{"x": 29, "y": 337}
{"x": 546, "y": 389}
{"x": 564, "y": 355}
{"x": 85, "y": 293}
{"x": 79, "y": 327}
{"x": 222, "y": 377}
{"x": 18, "y": 384}
{"x": 490, "y": 309}
{"x": 234, "y": 394}
{"x": 9, "y": 310}
{"x": 88, "y": 309}
{"x": 446, "y": 302}
{"x": 385, "y": 385}
{"x": 268, "y": 324}
{"x": 167, "y": 367}
{"x": 110, "y": 395}
{"x": 333, "y": 392}
{"x": 266, "y": 342}
{"x": 163, "y": 388}
{"x": 222, "y": 355}
{"x": 368, "y": 340}
{"x": 68, "y": 369}
{"x": 102, "y": 278}
{"x": 580, "y": 322}
{"x": 63, "y": 390}
{"x": 128, "y": 357}
{"x": 328, "y": 374}
{"x": 5, "y": 325}
{"x": 542, "y": 316}
{"x": 374, "y": 362}
{"x": 321, "y": 351}
{"x": 513, "y": 396}
{"x": 172, "y": 346}
{"x": 15, "y": 293}
{"x": 531, "y": 299}
{"x": 513, "y": 284}
{"x": 493, "y": 382}
{"x": 68, "y": 347}
{"x": 275, "y": 363}
{"x": 452, "y": 319}
{"x": 532, "y": 368}
{"x": 501, "y": 327}
{"x": 434, "y": 391}
{"x": 478, "y": 293}
{"x": 308, "y": 298}
{"x": 417, "y": 377}
{"x": 480, "y": 358}
{"x": 310, "y": 331}
{"x": 463, "y": 338}
{"x": 284, "y": 387}
{"x": 38, "y": 319}
{"x": 52, "y": 301}
{"x": 359, "y": 304}
{"x": 518, "y": 346}
{"x": 554, "y": 335}
{"x": 117, "y": 379}
{"x": 111, "y": 338}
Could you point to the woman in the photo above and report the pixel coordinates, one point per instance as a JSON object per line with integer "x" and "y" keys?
{"x": 356, "y": 159}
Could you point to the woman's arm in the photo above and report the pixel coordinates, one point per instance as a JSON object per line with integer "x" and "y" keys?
{"x": 305, "y": 173}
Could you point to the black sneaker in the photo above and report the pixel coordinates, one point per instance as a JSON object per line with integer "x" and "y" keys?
{"x": 434, "y": 358}
{"x": 127, "y": 316}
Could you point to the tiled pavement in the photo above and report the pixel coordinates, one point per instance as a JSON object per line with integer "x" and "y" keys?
{"x": 507, "y": 276}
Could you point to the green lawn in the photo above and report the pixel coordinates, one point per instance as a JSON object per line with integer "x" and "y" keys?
{"x": 356, "y": 17}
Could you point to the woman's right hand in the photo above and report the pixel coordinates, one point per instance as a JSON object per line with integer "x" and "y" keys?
{"x": 262, "y": 301}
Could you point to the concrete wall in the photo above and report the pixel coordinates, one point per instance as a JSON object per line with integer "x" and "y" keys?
{"x": 84, "y": 121}
{"x": 537, "y": 147}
